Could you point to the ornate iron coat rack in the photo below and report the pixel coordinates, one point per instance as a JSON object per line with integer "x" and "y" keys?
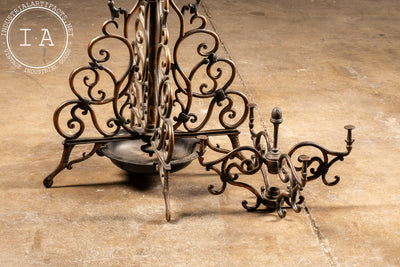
{"x": 154, "y": 86}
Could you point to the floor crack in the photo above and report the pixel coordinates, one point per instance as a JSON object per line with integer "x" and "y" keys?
{"x": 323, "y": 242}
{"x": 239, "y": 75}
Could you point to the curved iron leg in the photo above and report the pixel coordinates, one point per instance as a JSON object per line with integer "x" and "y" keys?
{"x": 48, "y": 181}
{"x": 164, "y": 180}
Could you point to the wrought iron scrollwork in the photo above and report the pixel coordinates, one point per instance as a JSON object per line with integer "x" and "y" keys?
{"x": 132, "y": 87}
{"x": 96, "y": 67}
{"x": 155, "y": 100}
{"x": 186, "y": 93}
{"x": 324, "y": 163}
{"x": 266, "y": 156}
{"x": 229, "y": 170}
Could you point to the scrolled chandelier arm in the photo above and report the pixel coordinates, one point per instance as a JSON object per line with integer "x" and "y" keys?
{"x": 271, "y": 159}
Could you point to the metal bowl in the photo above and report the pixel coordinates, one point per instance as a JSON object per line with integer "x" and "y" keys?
{"x": 129, "y": 156}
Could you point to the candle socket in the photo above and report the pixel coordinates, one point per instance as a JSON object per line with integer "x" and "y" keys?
{"x": 274, "y": 154}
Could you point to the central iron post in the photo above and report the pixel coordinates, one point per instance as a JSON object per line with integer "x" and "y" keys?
{"x": 153, "y": 26}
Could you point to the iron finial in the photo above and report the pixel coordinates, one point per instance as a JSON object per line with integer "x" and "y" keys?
{"x": 276, "y": 115}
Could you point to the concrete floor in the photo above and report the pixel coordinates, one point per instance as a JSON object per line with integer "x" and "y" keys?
{"x": 325, "y": 63}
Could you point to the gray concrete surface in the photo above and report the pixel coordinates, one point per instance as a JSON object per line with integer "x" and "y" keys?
{"x": 325, "y": 63}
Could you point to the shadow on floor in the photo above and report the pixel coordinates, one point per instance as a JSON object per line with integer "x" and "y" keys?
{"x": 134, "y": 181}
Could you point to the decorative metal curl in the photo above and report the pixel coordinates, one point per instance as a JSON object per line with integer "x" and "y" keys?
{"x": 185, "y": 94}
{"x": 247, "y": 166}
{"x": 324, "y": 163}
{"x": 163, "y": 142}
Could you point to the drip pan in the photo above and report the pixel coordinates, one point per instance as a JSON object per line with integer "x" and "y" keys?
{"x": 128, "y": 155}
